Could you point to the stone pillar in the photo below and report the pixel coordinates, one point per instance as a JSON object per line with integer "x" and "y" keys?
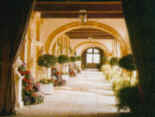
{"x": 33, "y": 58}
{"x": 32, "y": 37}
{"x": 113, "y": 48}
{"x": 38, "y": 68}
{"x": 118, "y": 49}
{"x": 25, "y": 49}
{"x": 18, "y": 80}
{"x": 19, "y": 102}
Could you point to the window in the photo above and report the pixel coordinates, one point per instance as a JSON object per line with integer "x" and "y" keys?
{"x": 93, "y": 56}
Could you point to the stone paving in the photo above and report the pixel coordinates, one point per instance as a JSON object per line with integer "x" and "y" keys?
{"x": 88, "y": 94}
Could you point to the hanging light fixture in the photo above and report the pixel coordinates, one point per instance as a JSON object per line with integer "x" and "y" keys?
{"x": 83, "y": 16}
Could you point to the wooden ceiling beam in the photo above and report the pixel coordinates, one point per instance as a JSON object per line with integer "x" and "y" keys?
{"x": 88, "y": 12}
{"x": 85, "y": 33}
{"x": 93, "y": 37}
{"x": 70, "y": 9}
{"x": 48, "y": 15}
{"x": 77, "y": 7}
{"x": 78, "y": 2}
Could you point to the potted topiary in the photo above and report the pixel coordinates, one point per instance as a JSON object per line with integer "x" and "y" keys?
{"x": 47, "y": 61}
{"x": 73, "y": 59}
{"x": 72, "y": 66}
{"x": 62, "y": 59}
{"x": 127, "y": 62}
{"x": 114, "y": 61}
{"x": 104, "y": 60}
{"x": 128, "y": 97}
{"x": 78, "y": 64}
{"x": 78, "y": 58}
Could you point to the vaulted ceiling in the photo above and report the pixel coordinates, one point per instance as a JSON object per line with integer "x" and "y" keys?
{"x": 85, "y": 33}
{"x": 71, "y": 8}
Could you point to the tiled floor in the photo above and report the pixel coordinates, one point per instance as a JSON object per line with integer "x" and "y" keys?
{"x": 88, "y": 94}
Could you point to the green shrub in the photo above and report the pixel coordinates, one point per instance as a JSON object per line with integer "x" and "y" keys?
{"x": 114, "y": 61}
{"x": 78, "y": 58}
{"x": 47, "y": 60}
{"x": 104, "y": 60}
{"x": 127, "y": 62}
{"x": 72, "y": 58}
{"x": 63, "y": 59}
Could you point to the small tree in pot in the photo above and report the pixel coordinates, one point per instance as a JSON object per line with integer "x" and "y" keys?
{"x": 127, "y": 62}
{"x": 78, "y": 64}
{"x": 105, "y": 60}
{"x": 47, "y": 60}
{"x": 72, "y": 67}
{"x": 114, "y": 61}
{"x": 72, "y": 58}
{"x": 62, "y": 59}
{"x": 129, "y": 96}
{"x": 78, "y": 58}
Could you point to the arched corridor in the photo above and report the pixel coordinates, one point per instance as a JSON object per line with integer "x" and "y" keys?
{"x": 29, "y": 35}
{"x": 87, "y": 93}
{"x": 55, "y": 48}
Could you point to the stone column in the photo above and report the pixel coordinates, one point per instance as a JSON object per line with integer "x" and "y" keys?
{"x": 25, "y": 49}
{"x": 118, "y": 52}
{"x": 19, "y": 102}
{"x": 18, "y": 79}
{"x": 113, "y": 48}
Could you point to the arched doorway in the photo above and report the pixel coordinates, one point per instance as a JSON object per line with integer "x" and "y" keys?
{"x": 92, "y": 58}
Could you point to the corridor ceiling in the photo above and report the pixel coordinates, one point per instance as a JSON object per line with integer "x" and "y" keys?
{"x": 71, "y": 8}
{"x": 85, "y": 33}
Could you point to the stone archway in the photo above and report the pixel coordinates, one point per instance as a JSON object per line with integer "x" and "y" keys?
{"x": 89, "y": 44}
{"x": 90, "y": 24}
{"x": 92, "y": 57}
{"x": 96, "y": 46}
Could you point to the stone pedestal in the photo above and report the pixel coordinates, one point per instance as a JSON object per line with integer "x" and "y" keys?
{"x": 18, "y": 80}
{"x": 19, "y": 102}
